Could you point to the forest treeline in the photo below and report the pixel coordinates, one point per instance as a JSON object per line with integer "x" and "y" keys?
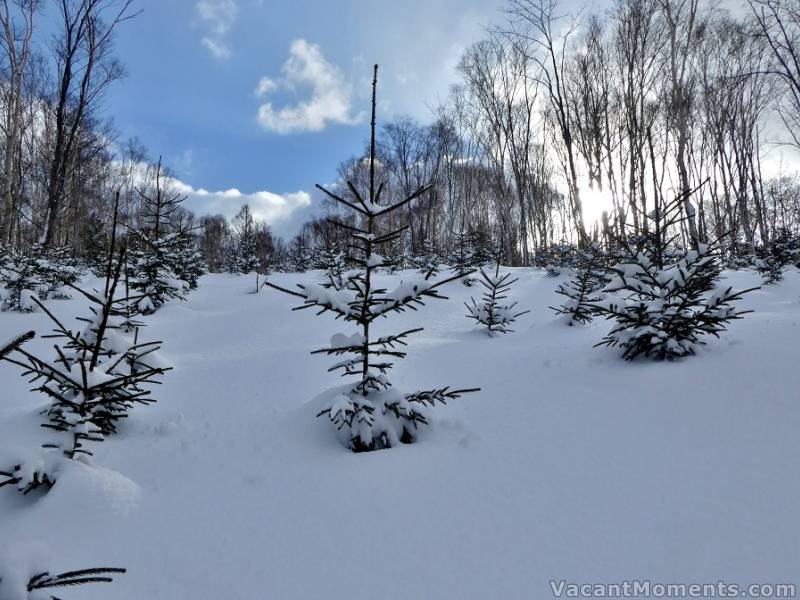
{"x": 647, "y": 105}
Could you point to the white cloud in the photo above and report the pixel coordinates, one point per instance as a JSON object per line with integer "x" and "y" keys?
{"x": 274, "y": 209}
{"x": 330, "y": 98}
{"x": 284, "y": 213}
{"x": 219, "y": 50}
{"x": 218, "y": 16}
{"x": 265, "y": 86}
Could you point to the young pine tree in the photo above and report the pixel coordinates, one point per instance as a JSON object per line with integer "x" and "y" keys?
{"x": 245, "y": 259}
{"x": 396, "y": 255}
{"x": 372, "y": 414}
{"x": 667, "y": 305}
{"x": 22, "y": 279}
{"x": 57, "y": 271}
{"x": 300, "y": 254}
{"x": 585, "y": 289}
{"x": 157, "y": 271}
{"x": 329, "y": 258}
{"x": 429, "y": 261}
{"x": 98, "y": 374}
{"x": 773, "y": 257}
{"x": 482, "y": 247}
{"x": 493, "y": 312}
{"x": 462, "y": 259}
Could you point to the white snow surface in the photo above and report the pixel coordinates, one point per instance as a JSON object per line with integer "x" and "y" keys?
{"x": 570, "y": 463}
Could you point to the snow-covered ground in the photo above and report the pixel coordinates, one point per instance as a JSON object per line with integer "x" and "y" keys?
{"x": 570, "y": 464}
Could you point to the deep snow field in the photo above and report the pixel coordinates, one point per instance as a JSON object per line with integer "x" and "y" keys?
{"x": 570, "y": 463}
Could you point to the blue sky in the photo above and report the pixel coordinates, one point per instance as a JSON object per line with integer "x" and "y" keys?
{"x": 195, "y": 68}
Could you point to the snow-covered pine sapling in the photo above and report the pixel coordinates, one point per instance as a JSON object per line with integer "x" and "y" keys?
{"x": 395, "y": 255}
{"x": 300, "y": 254}
{"x": 329, "y": 258}
{"x": 57, "y": 271}
{"x": 189, "y": 265}
{"x": 666, "y": 311}
{"x": 493, "y": 312}
{"x": 98, "y": 375}
{"x": 158, "y": 272}
{"x": 21, "y": 281}
{"x": 585, "y": 289}
{"x": 482, "y": 247}
{"x": 371, "y": 414}
{"x": 245, "y": 258}
{"x": 770, "y": 269}
{"x": 667, "y": 304}
{"x": 428, "y": 262}
{"x": 771, "y": 259}
{"x": 461, "y": 258}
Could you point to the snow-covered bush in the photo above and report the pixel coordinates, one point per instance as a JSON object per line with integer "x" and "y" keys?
{"x": 21, "y": 278}
{"x": 493, "y": 312}
{"x": 585, "y": 288}
{"x": 24, "y": 573}
{"x": 372, "y": 414}
{"x": 666, "y": 310}
{"x": 555, "y": 258}
{"x": 58, "y": 271}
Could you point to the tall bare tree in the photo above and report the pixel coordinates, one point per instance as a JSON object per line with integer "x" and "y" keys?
{"x": 86, "y": 67}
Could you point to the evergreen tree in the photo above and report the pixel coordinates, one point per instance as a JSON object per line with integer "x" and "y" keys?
{"x": 667, "y": 307}
{"x": 58, "y": 270}
{"x": 396, "y": 256}
{"x": 158, "y": 272}
{"x": 153, "y": 270}
{"x": 493, "y": 312}
{"x": 773, "y": 257}
{"x": 300, "y": 254}
{"x": 372, "y": 414}
{"x": 482, "y": 248}
{"x": 585, "y": 289}
{"x": 94, "y": 241}
{"x": 429, "y": 261}
{"x": 188, "y": 265}
{"x": 462, "y": 258}
{"x": 244, "y": 259}
{"x": 21, "y": 276}
{"x": 99, "y": 373}
{"x": 556, "y": 258}
{"x": 330, "y": 259}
